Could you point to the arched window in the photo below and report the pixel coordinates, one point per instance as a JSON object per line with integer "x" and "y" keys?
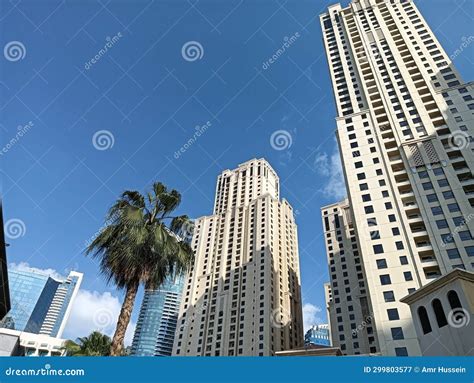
{"x": 439, "y": 313}
{"x": 424, "y": 320}
{"x": 453, "y": 299}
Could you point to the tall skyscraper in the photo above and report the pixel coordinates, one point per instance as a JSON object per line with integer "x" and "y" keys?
{"x": 156, "y": 325}
{"x": 243, "y": 296}
{"x": 40, "y": 303}
{"x": 404, "y": 128}
{"x": 4, "y": 285}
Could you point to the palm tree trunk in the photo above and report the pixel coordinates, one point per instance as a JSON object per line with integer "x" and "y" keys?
{"x": 116, "y": 347}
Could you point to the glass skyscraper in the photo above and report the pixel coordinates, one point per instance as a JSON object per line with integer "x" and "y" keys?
{"x": 156, "y": 326}
{"x": 318, "y": 335}
{"x": 41, "y": 304}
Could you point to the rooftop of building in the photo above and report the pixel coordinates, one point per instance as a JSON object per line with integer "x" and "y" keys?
{"x": 454, "y": 275}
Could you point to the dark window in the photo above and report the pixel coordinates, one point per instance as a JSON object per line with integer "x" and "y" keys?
{"x": 403, "y": 260}
{"x": 389, "y": 296}
{"x": 453, "y": 299}
{"x": 381, "y": 264}
{"x": 401, "y": 351}
{"x": 397, "y": 333}
{"x": 393, "y": 314}
{"x": 385, "y": 279}
{"x": 424, "y": 320}
{"x": 439, "y": 313}
{"x": 378, "y": 249}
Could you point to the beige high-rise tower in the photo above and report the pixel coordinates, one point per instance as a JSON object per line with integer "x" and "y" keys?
{"x": 404, "y": 128}
{"x": 242, "y": 296}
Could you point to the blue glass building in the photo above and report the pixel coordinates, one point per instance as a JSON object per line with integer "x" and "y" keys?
{"x": 157, "y": 321}
{"x": 39, "y": 303}
{"x": 318, "y": 335}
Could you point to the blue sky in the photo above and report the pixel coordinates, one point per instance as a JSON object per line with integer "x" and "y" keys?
{"x": 149, "y": 98}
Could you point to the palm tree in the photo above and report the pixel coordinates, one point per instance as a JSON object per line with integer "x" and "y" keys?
{"x": 96, "y": 344}
{"x": 140, "y": 244}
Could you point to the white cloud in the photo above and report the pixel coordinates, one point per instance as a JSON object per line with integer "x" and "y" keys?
{"x": 310, "y": 316}
{"x": 91, "y": 311}
{"x": 25, "y": 266}
{"x": 329, "y": 166}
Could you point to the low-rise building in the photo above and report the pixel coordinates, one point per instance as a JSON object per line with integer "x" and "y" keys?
{"x": 19, "y": 343}
{"x": 442, "y": 311}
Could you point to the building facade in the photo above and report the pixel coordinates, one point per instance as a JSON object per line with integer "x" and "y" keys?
{"x": 318, "y": 335}
{"x": 157, "y": 321}
{"x": 404, "y": 128}
{"x": 442, "y": 313}
{"x": 347, "y": 299}
{"x": 243, "y": 295}
{"x": 40, "y": 303}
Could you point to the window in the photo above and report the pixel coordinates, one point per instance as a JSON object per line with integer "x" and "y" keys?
{"x": 389, "y": 296}
{"x": 453, "y": 207}
{"x": 393, "y": 314}
{"x": 453, "y": 253}
{"x": 403, "y": 260}
{"x": 439, "y": 313}
{"x": 453, "y": 300}
{"x": 366, "y": 198}
{"x": 424, "y": 320}
{"x": 385, "y": 279}
{"x": 397, "y": 333}
{"x": 408, "y": 276}
{"x": 401, "y": 351}
{"x": 381, "y": 264}
{"x": 427, "y": 185}
{"x": 378, "y": 249}
{"x": 465, "y": 235}
{"x": 432, "y": 197}
{"x": 469, "y": 251}
{"x": 395, "y": 231}
{"x": 399, "y": 245}
{"x": 436, "y": 210}
{"x": 442, "y": 224}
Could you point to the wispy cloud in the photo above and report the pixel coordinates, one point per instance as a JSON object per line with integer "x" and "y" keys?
{"x": 328, "y": 166}
{"x": 25, "y": 266}
{"x": 92, "y": 311}
{"x": 311, "y": 316}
